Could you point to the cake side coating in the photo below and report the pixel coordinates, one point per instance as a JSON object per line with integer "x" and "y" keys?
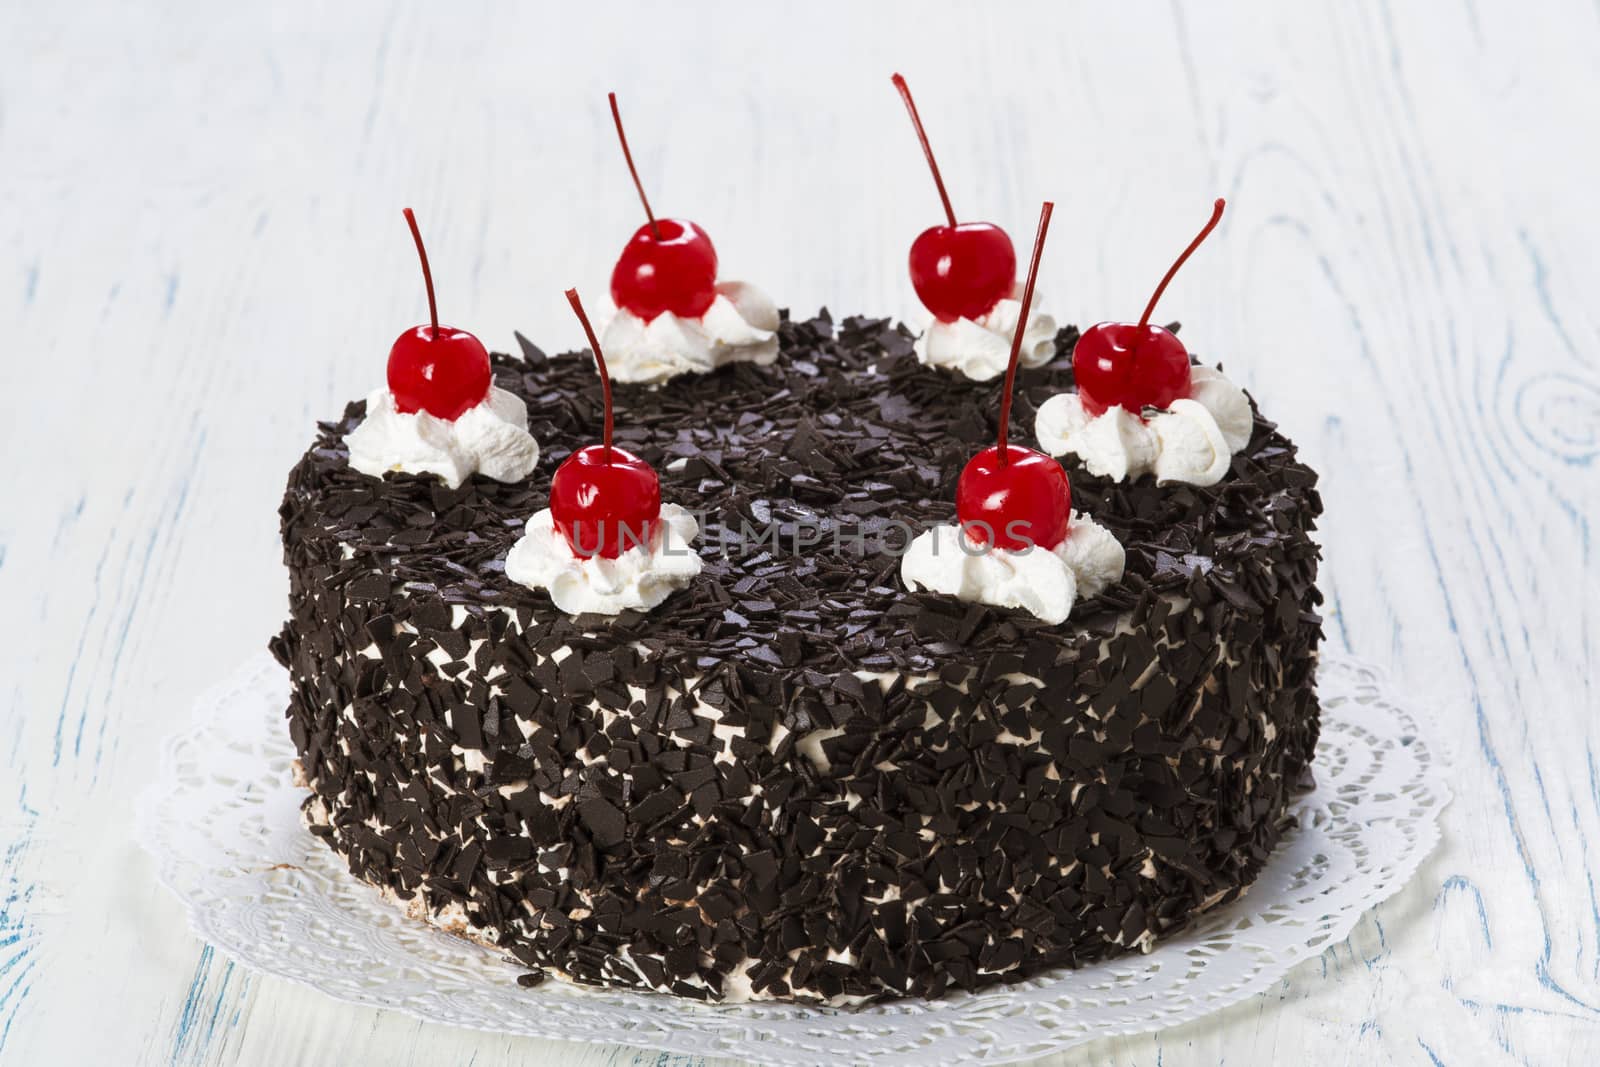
{"x": 794, "y": 778}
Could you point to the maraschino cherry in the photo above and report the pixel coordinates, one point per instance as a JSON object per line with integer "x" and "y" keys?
{"x": 959, "y": 270}
{"x": 1010, "y": 496}
{"x": 438, "y": 369}
{"x": 604, "y": 500}
{"x": 668, "y": 264}
{"x": 1135, "y": 366}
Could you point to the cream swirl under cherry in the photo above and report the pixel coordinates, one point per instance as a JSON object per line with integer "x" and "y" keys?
{"x": 441, "y": 413}
{"x": 673, "y": 316}
{"x": 1017, "y": 542}
{"x": 1141, "y": 407}
{"x": 965, "y": 274}
{"x": 606, "y": 543}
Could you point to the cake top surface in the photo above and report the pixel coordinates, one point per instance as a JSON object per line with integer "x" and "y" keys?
{"x": 808, "y": 477}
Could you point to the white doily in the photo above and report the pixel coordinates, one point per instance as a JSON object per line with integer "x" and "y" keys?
{"x": 223, "y": 823}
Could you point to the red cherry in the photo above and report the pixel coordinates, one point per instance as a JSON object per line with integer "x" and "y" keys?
{"x": 1007, "y": 495}
{"x": 440, "y": 370}
{"x": 445, "y": 373}
{"x": 1135, "y": 366}
{"x": 675, "y": 271}
{"x": 604, "y": 500}
{"x": 1016, "y": 501}
{"x": 963, "y": 271}
{"x": 958, "y": 270}
{"x": 668, "y": 265}
{"x": 1120, "y": 363}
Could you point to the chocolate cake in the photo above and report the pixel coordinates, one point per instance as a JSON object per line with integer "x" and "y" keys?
{"x": 795, "y": 778}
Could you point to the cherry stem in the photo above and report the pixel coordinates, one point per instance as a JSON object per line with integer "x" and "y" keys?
{"x": 1045, "y": 211}
{"x": 427, "y": 275}
{"x": 927, "y": 149}
{"x": 616, "y": 117}
{"x": 1216, "y": 217}
{"x": 600, "y": 359}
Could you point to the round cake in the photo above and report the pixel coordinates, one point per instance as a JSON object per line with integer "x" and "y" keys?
{"x": 796, "y": 778}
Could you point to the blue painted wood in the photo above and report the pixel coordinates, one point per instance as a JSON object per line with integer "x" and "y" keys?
{"x": 199, "y": 256}
{"x": 19, "y": 942}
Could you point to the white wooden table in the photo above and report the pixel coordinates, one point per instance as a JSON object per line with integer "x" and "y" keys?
{"x": 201, "y": 252}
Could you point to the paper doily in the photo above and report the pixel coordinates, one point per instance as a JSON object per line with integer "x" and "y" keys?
{"x": 223, "y": 823}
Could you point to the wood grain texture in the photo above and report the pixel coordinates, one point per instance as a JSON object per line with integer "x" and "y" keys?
{"x": 201, "y": 253}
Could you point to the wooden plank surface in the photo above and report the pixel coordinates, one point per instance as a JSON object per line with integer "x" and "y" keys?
{"x": 201, "y": 253}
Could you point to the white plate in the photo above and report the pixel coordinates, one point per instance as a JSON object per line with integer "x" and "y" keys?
{"x": 223, "y": 823}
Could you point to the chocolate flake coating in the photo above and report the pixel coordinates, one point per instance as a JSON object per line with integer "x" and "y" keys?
{"x": 795, "y": 778}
